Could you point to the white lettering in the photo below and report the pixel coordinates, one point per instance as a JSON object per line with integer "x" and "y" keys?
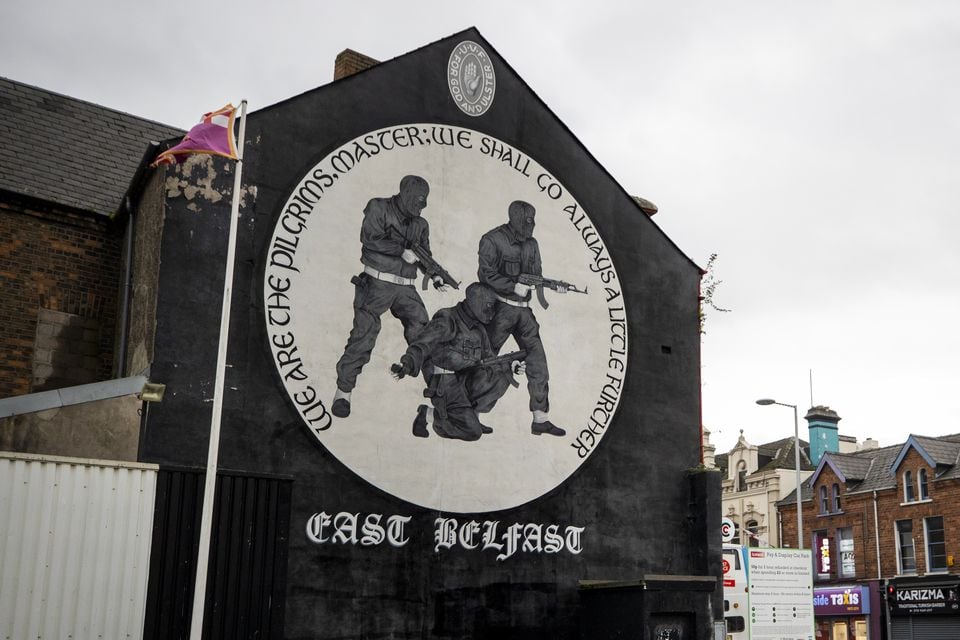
{"x": 396, "y": 530}
{"x": 373, "y": 529}
{"x": 445, "y": 534}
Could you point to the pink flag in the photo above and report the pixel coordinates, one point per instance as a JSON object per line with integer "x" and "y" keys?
{"x": 214, "y": 136}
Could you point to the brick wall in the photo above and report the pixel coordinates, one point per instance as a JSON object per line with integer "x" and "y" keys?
{"x": 68, "y": 265}
{"x": 857, "y": 511}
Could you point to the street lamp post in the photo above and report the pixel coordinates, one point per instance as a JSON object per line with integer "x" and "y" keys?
{"x": 796, "y": 451}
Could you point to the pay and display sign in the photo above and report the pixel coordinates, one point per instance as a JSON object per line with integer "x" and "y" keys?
{"x": 781, "y": 594}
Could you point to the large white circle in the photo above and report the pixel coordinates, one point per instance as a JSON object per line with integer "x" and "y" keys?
{"x": 314, "y": 252}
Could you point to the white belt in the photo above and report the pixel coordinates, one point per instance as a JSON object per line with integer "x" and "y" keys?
{"x": 388, "y": 277}
{"x": 513, "y": 303}
{"x": 440, "y": 370}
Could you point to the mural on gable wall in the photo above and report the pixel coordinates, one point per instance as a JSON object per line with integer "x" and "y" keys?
{"x": 442, "y": 313}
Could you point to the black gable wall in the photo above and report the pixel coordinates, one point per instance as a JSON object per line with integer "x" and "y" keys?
{"x": 632, "y": 495}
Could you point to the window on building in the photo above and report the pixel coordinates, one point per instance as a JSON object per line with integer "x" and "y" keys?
{"x": 906, "y": 556}
{"x": 908, "y": 495}
{"x": 741, "y": 476}
{"x": 836, "y": 497}
{"x": 922, "y": 484}
{"x": 848, "y": 558}
{"x": 824, "y": 503}
{"x": 752, "y": 528}
{"x": 936, "y": 544}
{"x": 823, "y": 560}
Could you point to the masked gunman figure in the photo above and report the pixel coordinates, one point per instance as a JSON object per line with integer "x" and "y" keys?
{"x": 505, "y": 253}
{"x": 388, "y": 279}
{"x": 454, "y": 342}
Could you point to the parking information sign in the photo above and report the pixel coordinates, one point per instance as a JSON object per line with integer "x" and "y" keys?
{"x": 781, "y": 594}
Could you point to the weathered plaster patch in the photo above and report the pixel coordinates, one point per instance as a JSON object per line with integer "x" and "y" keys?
{"x": 194, "y": 181}
{"x": 249, "y": 190}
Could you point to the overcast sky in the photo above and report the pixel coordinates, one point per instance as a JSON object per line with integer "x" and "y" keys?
{"x": 813, "y": 146}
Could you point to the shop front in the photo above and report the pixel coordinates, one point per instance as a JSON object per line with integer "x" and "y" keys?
{"x": 842, "y": 612}
{"x": 924, "y": 609}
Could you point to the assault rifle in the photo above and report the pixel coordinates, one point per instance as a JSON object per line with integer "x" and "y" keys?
{"x": 428, "y": 265}
{"x": 539, "y": 282}
{"x": 499, "y": 361}
{"x": 398, "y": 372}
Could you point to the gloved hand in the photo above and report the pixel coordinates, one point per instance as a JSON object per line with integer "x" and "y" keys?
{"x": 406, "y": 367}
{"x": 521, "y": 289}
{"x": 438, "y": 283}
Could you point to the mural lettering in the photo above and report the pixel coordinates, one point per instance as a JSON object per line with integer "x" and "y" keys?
{"x": 517, "y": 537}
{"x": 505, "y": 153}
{"x": 349, "y": 528}
{"x": 374, "y": 529}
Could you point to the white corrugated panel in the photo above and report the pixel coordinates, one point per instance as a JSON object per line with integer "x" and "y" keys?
{"x": 74, "y": 547}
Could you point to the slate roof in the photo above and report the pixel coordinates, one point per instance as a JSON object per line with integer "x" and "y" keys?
{"x": 853, "y": 467}
{"x": 68, "y": 151}
{"x": 872, "y": 469}
{"x": 945, "y": 452}
{"x": 773, "y": 455}
{"x": 779, "y": 455}
{"x": 942, "y": 452}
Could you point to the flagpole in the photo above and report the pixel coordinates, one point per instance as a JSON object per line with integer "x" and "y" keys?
{"x": 210, "y": 477}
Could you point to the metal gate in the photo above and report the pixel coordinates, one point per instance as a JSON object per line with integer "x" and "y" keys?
{"x": 925, "y": 627}
{"x": 246, "y": 582}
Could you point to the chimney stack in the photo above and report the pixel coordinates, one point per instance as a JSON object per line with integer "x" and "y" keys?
{"x": 824, "y": 434}
{"x": 350, "y": 62}
{"x": 709, "y": 450}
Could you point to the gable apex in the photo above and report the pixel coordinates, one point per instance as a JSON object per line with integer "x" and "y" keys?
{"x": 826, "y": 461}
{"x": 413, "y": 88}
{"x": 912, "y": 443}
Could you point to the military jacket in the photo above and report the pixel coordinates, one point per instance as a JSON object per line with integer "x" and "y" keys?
{"x": 503, "y": 257}
{"x": 453, "y": 340}
{"x": 380, "y": 250}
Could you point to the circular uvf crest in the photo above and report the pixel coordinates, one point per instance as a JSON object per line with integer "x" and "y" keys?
{"x": 444, "y": 317}
{"x": 471, "y": 78}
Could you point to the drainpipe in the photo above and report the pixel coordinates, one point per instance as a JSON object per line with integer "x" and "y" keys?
{"x": 886, "y": 583}
{"x": 876, "y": 534}
{"x": 127, "y": 288}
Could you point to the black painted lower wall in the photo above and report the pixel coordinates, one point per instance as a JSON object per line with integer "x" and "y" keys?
{"x": 246, "y": 582}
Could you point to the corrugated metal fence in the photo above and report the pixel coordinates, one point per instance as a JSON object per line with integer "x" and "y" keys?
{"x": 75, "y": 539}
{"x": 248, "y": 563}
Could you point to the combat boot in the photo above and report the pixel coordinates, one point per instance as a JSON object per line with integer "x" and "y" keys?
{"x": 420, "y": 422}
{"x": 547, "y": 427}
